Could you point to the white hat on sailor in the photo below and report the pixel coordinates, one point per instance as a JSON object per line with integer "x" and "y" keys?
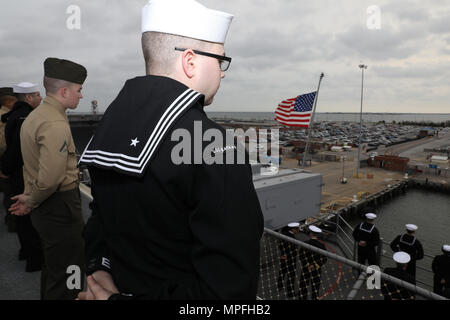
{"x": 315, "y": 229}
{"x": 26, "y": 87}
{"x": 371, "y": 216}
{"x": 411, "y": 227}
{"x": 186, "y": 18}
{"x": 401, "y": 257}
{"x": 294, "y": 225}
{"x": 446, "y": 248}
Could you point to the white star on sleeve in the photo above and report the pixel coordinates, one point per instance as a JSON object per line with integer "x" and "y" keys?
{"x": 134, "y": 142}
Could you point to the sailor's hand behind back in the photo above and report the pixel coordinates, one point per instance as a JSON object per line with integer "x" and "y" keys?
{"x": 99, "y": 292}
{"x": 105, "y": 279}
{"x": 100, "y": 287}
{"x": 85, "y": 295}
{"x": 21, "y": 206}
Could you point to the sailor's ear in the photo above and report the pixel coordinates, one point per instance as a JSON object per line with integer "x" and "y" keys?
{"x": 63, "y": 91}
{"x": 188, "y": 62}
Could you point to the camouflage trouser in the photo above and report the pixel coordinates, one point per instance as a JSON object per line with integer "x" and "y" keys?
{"x": 59, "y": 222}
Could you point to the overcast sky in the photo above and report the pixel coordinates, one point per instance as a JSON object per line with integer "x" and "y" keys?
{"x": 279, "y": 48}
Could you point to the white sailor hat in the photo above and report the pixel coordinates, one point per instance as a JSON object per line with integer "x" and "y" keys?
{"x": 186, "y": 18}
{"x": 446, "y": 248}
{"x": 371, "y": 216}
{"x": 411, "y": 227}
{"x": 294, "y": 225}
{"x": 315, "y": 229}
{"x": 25, "y": 87}
{"x": 401, "y": 257}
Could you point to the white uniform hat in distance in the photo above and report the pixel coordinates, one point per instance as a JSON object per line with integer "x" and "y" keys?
{"x": 401, "y": 257}
{"x": 411, "y": 227}
{"x": 186, "y": 18}
{"x": 294, "y": 225}
{"x": 25, "y": 87}
{"x": 446, "y": 248}
{"x": 315, "y": 229}
{"x": 371, "y": 216}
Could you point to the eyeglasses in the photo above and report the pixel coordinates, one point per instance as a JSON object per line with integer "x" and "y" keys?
{"x": 224, "y": 61}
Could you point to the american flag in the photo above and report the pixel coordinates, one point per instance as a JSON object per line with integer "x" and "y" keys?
{"x": 296, "y": 112}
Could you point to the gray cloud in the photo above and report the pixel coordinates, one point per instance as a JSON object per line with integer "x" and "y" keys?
{"x": 278, "y": 47}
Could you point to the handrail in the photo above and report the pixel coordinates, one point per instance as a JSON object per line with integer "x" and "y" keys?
{"x": 420, "y": 291}
{"x": 357, "y": 286}
{"x": 348, "y": 237}
{"x": 345, "y": 222}
{"x": 424, "y": 254}
{"x": 417, "y": 266}
{"x": 346, "y": 247}
{"x": 388, "y": 245}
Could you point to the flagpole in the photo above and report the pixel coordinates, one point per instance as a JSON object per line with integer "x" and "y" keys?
{"x": 362, "y": 66}
{"x": 311, "y": 122}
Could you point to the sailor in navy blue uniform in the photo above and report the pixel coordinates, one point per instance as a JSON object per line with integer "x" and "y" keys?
{"x": 408, "y": 243}
{"x": 367, "y": 237}
{"x": 312, "y": 263}
{"x": 441, "y": 270}
{"x": 162, "y": 228}
{"x": 392, "y": 291}
{"x": 12, "y": 163}
{"x": 288, "y": 260}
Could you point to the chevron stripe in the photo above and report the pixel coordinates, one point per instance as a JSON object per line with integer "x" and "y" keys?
{"x": 137, "y": 164}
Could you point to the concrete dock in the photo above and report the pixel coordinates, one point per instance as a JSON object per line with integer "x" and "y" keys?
{"x": 373, "y": 180}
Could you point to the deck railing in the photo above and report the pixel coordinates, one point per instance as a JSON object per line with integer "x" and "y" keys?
{"x": 339, "y": 278}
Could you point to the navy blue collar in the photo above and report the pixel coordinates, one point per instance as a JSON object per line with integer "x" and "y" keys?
{"x": 136, "y": 122}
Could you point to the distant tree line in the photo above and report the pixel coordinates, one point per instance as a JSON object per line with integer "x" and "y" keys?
{"x": 442, "y": 124}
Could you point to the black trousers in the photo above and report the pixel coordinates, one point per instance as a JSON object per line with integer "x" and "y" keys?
{"x": 312, "y": 278}
{"x": 59, "y": 223}
{"x": 8, "y": 192}
{"x": 287, "y": 266}
{"x": 439, "y": 288}
{"x": 411, "y": 268}
{"x": 30, "y": 242}
{"x": 367, "y": 254}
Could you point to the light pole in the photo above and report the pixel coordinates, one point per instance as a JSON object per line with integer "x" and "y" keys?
{"x": 343, "y": 180}
{"x": 362, "y": 66}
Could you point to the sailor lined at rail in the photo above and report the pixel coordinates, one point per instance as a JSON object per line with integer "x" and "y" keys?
{"x": 408, "y": 243}
{"x": 311, "y": 264}
{"x": 392, "y": 291}
{"x": 288, "y": 260}
{"x": 407, "y": 249}
{"x": 367, "y": 237}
